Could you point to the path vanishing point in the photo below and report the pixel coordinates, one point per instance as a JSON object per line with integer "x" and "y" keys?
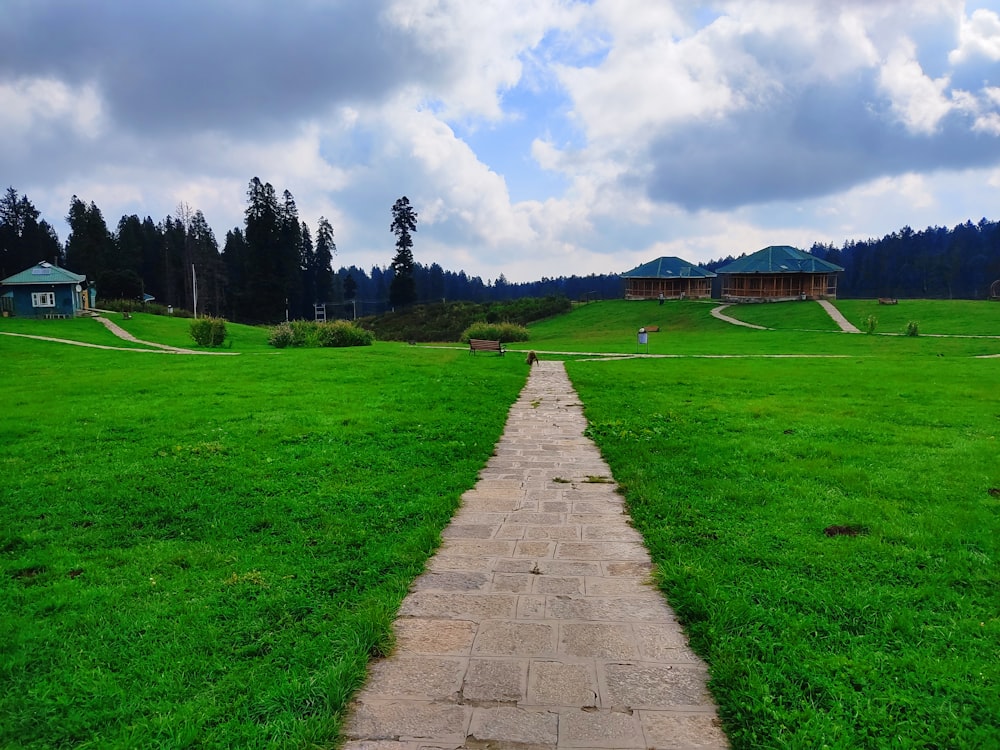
{"x": 535, "y": 624}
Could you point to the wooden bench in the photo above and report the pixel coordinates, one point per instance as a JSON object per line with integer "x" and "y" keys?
{"x": 484, "y": 345}
{"x": 887, "y": 300}
{"x": 652, "y": 329}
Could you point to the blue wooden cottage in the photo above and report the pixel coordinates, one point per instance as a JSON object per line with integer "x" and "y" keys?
{"x": 44, "y": 291}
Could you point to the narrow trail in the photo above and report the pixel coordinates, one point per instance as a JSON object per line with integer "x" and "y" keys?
{"x": 845, "y": 325}
{"x": 121, "y": 333}
{"x": 535, "y": 624}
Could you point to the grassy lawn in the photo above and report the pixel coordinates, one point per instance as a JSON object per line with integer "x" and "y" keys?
{"x": 205, "y": 551}
{"x": 733, "y": 469}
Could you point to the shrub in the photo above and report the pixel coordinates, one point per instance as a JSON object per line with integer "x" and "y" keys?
{"x": 209, "y": 331}
{"x": 342, "y": 333}
{"x": 495, "y": 332}
{"x": 280, "y": 336}
{"x": 912, "y": 329}
{"x": 307, "y": 333}
{"x": 870, "y": 323}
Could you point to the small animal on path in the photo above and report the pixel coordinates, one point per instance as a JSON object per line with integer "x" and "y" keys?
{"x": 532, "y": 358}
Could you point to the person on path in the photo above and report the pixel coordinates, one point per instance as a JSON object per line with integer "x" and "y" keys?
{"x": 661, "y": 298}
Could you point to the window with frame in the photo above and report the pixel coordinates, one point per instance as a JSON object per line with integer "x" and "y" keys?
{"x": 43, "y": 299}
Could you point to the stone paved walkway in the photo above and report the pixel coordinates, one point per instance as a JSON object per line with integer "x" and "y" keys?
{"x": 535, "y": 625}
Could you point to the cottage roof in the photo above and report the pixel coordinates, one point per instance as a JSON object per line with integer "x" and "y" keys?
{"x": 44, "y": 273}
{"x": 779, "y": 259}
{"x": 668, "y": 268}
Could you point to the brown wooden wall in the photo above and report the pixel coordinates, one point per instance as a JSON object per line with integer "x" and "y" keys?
{"x": 670, "y": 288}
{"x": 779, "y": 286}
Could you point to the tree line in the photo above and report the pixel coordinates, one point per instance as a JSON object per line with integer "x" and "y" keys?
{"x": 958, "y": 263}
{"x": 269, "y": 269}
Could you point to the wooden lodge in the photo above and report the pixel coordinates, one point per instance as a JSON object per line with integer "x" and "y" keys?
{"x": 776, "y": 274}
{"x": 672, "y": 277}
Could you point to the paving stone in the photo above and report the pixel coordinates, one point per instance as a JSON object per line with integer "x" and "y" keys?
{"x": 533, "y": 518}
{"x": 505, "y": 637}
{"x": 664, "y": 642}
{"x": 511, "y": 531}
{"x": 534, "y": 549}
{"x": 670, "y": 731}
{"x": 428, "y": 636}
{"x": 514, "y": 565}
{"x": 386, "y": 720}
{"x": 470, "y": 531}
{"x": 378, "y": 745}
{"x": 612, "y": 608}
{"x": 600, "y": 729}
{"x": 629, "y": 568}
{"x": 479, "y": 547}
{"x": 611, "y": 533}
{"x": 417, "y": 677}
{"x": 442, "y": 561}
{"x": 496, "y": 680}
{"x": 602, "y": 551}
{"x": 569, "y": 568}
{"x": 558, "y": 585}
{"x": 468, "y": 606}
{"x": 598, "y": 640}
{"x": 616, "y": 586}
{"x": 452, "y": 580}
{"x": 560, "y": 533}
{"x": 517, "y": 726}
{"x": 515, "y": 583}
{"x": 553, "y": 683}
{"x": 531, "y": 607}
{"x": 648, "y": 685}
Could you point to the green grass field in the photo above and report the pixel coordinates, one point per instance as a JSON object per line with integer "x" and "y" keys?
{"x": 205, "y": 551}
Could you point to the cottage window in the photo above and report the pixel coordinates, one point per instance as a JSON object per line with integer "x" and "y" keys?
{"x": 43, "y": 299}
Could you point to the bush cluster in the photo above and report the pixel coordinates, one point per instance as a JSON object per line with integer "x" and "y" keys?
{"x": 446, "y": 321}
{"x": 307, "y": 333}
{"x": 210, "y": 332}
{"x": 503, "y": 332}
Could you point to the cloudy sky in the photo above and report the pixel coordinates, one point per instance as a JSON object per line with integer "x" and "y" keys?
{"x": 533, "y": 137}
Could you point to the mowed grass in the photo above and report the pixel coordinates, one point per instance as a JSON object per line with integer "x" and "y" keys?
{"x": 687, "y": 328}
{"x": 886, "y": 634}
{"x": 205, "y": 551}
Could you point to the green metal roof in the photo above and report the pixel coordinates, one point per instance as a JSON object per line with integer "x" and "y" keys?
{"x": 779, "y": 259}
{"x": 44, "y": 273}
{"x": 668, "y": 268}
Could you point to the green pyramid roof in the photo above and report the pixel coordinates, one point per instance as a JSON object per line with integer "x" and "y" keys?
{"x": 779, "y": 259}
{"x": 44, "y": 273}
{"x": 668, "y": 268}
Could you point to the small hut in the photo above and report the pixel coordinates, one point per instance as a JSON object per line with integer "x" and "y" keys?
{"x": 777, "y": 274}
{"x": 672, "y": 277}
{"x": 44, "y": 291}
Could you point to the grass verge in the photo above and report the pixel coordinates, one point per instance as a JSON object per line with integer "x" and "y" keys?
{"x": 883, "y": 631}
{"x": 205, "y": 551}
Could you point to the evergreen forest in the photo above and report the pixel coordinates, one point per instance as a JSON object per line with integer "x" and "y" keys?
{"x": 274, "y": 267}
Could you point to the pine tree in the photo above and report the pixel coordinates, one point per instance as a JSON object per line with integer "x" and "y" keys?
{"x": 402, "y": 288}
{"x": 323, "y": 261}
{"x": 89, "y": 245}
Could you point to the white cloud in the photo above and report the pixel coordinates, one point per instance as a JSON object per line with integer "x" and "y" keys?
{"x": 30, "y": 105}
{"x": 979, "y": 36}
{"x": 919, "y": 102}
